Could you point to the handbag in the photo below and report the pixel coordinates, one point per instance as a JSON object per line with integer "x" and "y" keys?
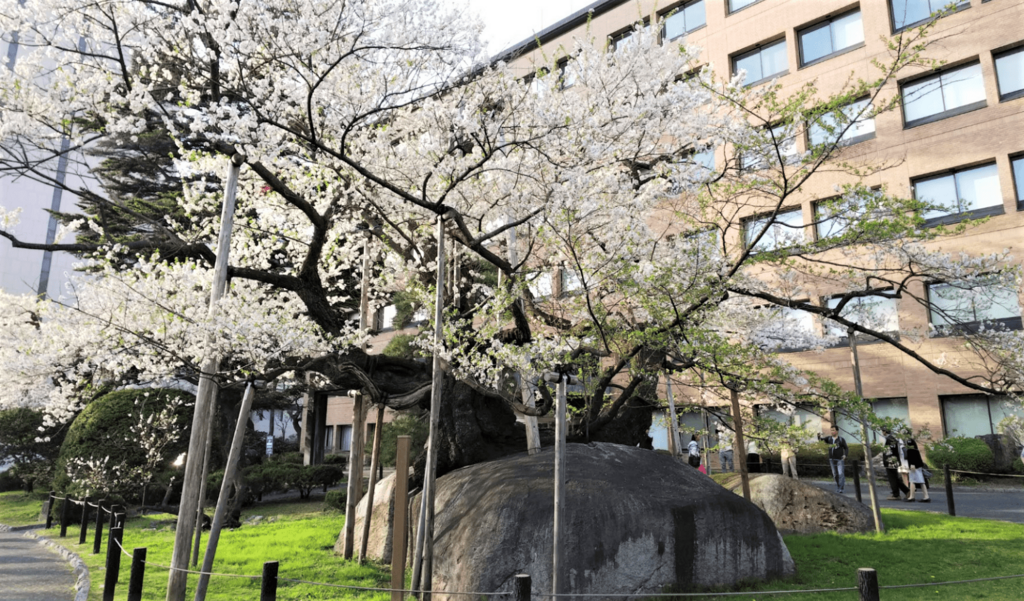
{"x": 927, "y": 473}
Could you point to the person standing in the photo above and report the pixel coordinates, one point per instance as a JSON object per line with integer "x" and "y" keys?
{"x": 891, "y": 460}
{"x": 753, "y": 458}
{"x": 693, "y": 448}
{"x": 788, "y": 454}
{"x": 725, "y": 458}
{"x": 837, "y": 452}
{"x": 916, "y": 470}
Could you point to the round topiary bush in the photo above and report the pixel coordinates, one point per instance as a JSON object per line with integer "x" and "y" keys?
{"x": 961, "y": 453}
{"x": 121, "y": 440}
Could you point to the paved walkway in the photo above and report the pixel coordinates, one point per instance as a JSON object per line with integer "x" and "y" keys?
{"x": 1006, "y": 505}
{"x": 32, "y": 572}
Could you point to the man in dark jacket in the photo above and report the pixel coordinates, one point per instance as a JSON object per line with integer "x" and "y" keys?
{"x": 837, "y": 452}
{"x": 891, "y": 460}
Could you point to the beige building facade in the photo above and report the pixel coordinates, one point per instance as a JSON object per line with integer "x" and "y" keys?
{"x": 959, "y": 132}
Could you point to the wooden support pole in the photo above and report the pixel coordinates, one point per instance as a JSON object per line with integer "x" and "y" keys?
{"x": 374, "y": 462}
{"x": 192, "y": 482}
{"x": 49, "y": 509}
{"x": 521, "y": 587}
{"x": 950, "y": 504}
{"x": 557, "y": 563}
{"x": 113, "y": 563}
{"x": 867, "y": 584}
{"x": 858, "y": 387}
{"x": 355, "y": 471}
{"x": 673, "y": 424}
{"x": 399, "y": 536}
{"x": 98, "y": 539}
{"x": 234, "y": 457}
{"x": 856, "y": 479}
{"x": 741, "y": 447}
{"x": 138, "y": 574}
{"x": 206, "y": 474}
{"x": 530, "y": 421}
{"x": 268, "y": 584}
{"x": 85, "y": 521}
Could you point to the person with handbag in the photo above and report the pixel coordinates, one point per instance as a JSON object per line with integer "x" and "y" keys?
{"x": 917, "y": 470}
{"x": 693, "y": 449}
{"x": 891, "y": 460}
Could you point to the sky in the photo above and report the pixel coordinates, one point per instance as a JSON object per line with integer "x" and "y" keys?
{"x": 509, "y": 22}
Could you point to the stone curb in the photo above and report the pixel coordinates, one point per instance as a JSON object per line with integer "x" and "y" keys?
{"x": 83, "y": 583}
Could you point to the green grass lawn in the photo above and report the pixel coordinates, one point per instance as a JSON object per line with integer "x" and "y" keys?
{"x": 918, "y": 547}
{"x": 20, "y": 509}
{"x": 301, "y": 539}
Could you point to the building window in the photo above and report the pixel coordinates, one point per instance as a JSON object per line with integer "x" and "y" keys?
{"x": 628, "y": 37}
{"x": 972, "y": 415}
{"x": 329, "y": 439}
{"x": 735, "y": 5}
{"x": 1018, "y": 180}
{"x": 787, "y": 330}
{"x": 344, "y": 438}
{"x": 943, "y": 95}
{"x": 855, "y": 118}
{"x": 786, "y": 228}
{"x": 761, "y": 64}
{"x": 781, "y": 140}
{"x": 966, "y": 306}
{"x": 682, "y": 19}
{"x": 892, "y": 408}
{"x": 1010, "y": 74}
{"x": 962, "y": 194}
{"x": 539, "y": 283}
{"x": 566, "y": 74}
{"x": 834, "y": 217}
{"x": 570, "y": 281}
{"x": 878, "y": 313}
{"x": 907, "y": 13}
{"x": 823, "y": 40}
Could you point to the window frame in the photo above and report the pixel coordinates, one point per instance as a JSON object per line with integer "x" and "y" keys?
{"x": 788, "y": 158}
{"x": 1015, "y": 94}
{"x": 826, "y": 22}
{"x": 679, "y": 8}
{"x": 951, "y": 218}
{"x": 1018, "y": 182}
{"x": 961, "y": 5}
{"x": 758, "y": 49}
{"x": 963, "y": 397}
{"x": 747, "y": 221}
{"x": 858, "y": 336}
{"x": 841, "y": 143}
{"x": 729, "y": 10}
{"x": 967, "y": 327}
{"x": 627, "y": 32}
{"x": 946, "y": 113}
{"x": 561, "y": 68}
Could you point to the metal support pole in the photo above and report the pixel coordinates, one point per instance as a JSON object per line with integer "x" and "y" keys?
{"x": 98, "y": 540}
{"x": 875, "y": 510}
{"x": 234, "y": 456}
{"x": 378, "y": 430}
{"x": 138, "y": 574}
{"x": 867, "y": 584}
{"x": 113, "y": 563}
{"x": 85, "y": 521}
{"x": 673, "y": 425}
{"x": 400, "y": 534}
{"x": 741, "y": 448}
{"x": 856, "y": 479}
{"x": 268, "y": 584}
{"x": 187, "y": 510}
{"x": 950, "y": 504}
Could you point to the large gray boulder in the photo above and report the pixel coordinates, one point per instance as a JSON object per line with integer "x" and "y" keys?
{"x": 381, "y": 522}
{"x": 636, "y": 522}
{"x": 800, "y": 508}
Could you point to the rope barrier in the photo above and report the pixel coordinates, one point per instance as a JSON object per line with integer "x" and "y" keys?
{"x": 728, "y": 594}
{"x": 952, "y": 582}
{"x": 387, "y": 590}
{"x": 150, "y": 563}
{"x": 986, "y": 474}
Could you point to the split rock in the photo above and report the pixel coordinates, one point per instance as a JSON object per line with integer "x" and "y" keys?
{"x": 801, "y": 508}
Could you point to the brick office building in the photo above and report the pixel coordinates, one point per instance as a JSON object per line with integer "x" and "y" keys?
{"x": 959, "y": 137}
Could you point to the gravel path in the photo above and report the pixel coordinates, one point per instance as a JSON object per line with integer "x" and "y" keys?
{"x": 30, "y": 571}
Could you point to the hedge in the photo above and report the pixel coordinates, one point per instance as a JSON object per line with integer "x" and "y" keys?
{"x": 961, "y": 453}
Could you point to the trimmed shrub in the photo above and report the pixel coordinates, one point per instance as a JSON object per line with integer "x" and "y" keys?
{"x": 341, "y": 460}
{"x": 336, "y": 499}
{"x": 961, "y": 453}
{"x": 102, "y": 433}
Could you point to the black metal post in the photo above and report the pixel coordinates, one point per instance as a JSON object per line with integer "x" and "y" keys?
{"x": 867, "y": 584}
{"x": 85, "y": 521}
{"x": 64, "y": 516}
{"x": 268, "y": 587}
{"x": 949, "y": 490}
{"x": 98, "y": 539}
{"x": 856, "y": 479}
{"x": 138, "y": 572}
{"x": 112, "y": 522}
{"x": 120, "y": 516}
{"x": 49, "y": 509}
{"x": 521, "y": 588}
{"x": 113, "y": 563}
